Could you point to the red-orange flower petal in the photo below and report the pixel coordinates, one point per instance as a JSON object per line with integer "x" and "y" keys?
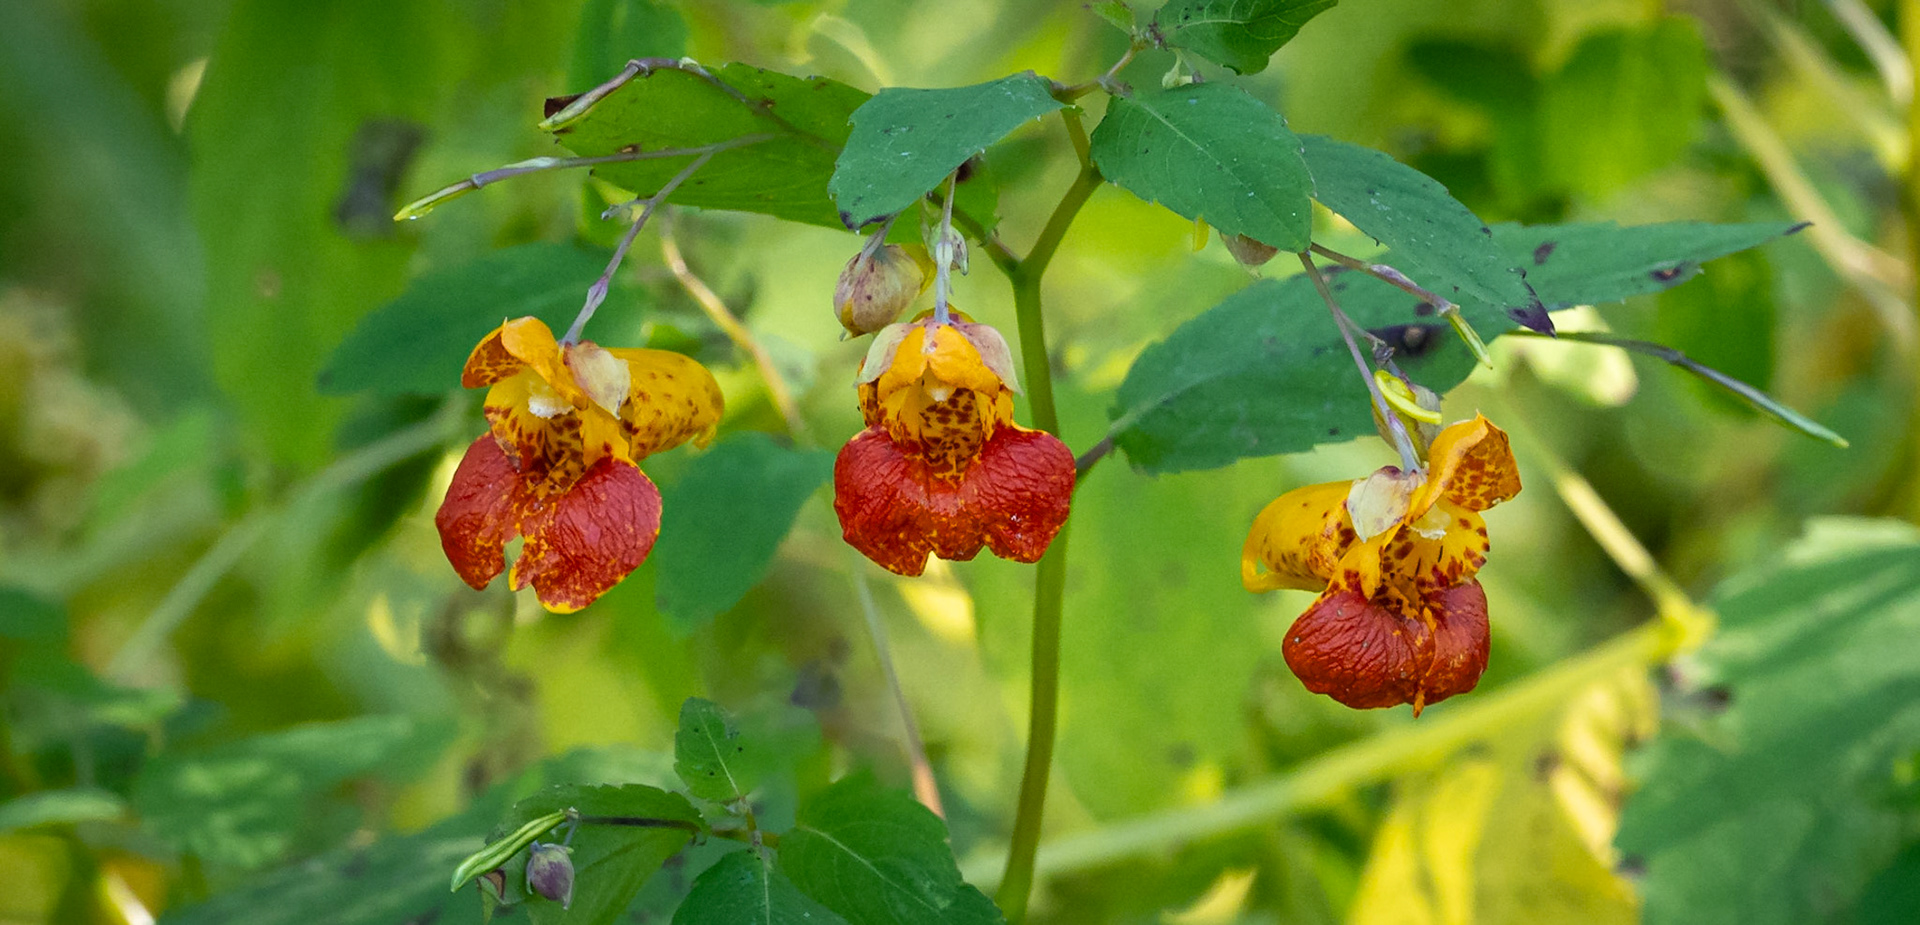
{"x": 478, "y": 517}
{"x": 1368, "y": 654}
{"x": 581, "y": 542}
{"x": 1013, "y": 499}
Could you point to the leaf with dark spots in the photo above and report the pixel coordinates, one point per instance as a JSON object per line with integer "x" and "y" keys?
{"x": 1541, "y": 253}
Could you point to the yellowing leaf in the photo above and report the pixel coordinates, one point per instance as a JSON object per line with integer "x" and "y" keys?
{"x": 1516, "y": 833}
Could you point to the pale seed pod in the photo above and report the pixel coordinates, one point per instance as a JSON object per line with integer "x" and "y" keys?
{"x": 876, "y": 287}
{"x": 1249, "y": 252}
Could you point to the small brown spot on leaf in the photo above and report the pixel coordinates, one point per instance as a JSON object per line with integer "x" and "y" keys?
{"x": 1541, "y": 253}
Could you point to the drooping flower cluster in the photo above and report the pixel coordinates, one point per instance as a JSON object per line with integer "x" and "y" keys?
{"x": 941, "y": 468}
{"x": 1400, "y": 617}
{"x": 568, "y": 424}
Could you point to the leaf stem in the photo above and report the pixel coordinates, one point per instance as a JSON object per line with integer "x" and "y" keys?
{"x": 925, "y": 788}
{"x": 1051, "y": 577}
{"x": 778, "y": 391}
{"x": 943, "y": 254}
{"x": 597, "y": 293}
{"x": 1409, "y": 459}
{"x": 1399, "y": 280}
{"x": 433, "y": 200}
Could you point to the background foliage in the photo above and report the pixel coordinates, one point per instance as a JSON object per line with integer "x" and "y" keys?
{"x": 242, "y": 684}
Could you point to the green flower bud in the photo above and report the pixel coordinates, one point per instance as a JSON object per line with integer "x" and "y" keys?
{"x": 550, "y": 872}
{"x": 876, "y": 287}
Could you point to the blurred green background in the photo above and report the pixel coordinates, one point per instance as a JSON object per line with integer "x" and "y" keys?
{"x": 231, "y": 642}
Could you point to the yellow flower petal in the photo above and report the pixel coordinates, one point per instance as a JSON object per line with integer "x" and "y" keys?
{"x": 1298, "y": 540}
{"x": 1381, "y": 500}
{"x": 600, "y": 374}
{"x": 1471, "y": 465}
{"x": 514, "y": 345}
{"x": 671, "y": 399}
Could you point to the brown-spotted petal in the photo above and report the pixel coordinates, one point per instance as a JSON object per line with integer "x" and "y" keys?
{"x": 1470, "y": 464}
{"x": 1298, "y": 539}
{"x": 671, "y": 399}
{"x": 514, "y": 345}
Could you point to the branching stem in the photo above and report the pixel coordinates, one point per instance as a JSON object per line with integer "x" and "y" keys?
{"x": 1410, "y": 460}
{"x": 597, "y": 293}
{"x": 1051, "y": 577}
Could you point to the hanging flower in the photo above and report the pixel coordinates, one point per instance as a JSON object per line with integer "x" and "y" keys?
{"x": 567, "y": 425}
{"x": 1400, "y": 617}
{"x": 941, "y": 468}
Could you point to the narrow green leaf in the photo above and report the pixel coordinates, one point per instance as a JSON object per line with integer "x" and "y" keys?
{"x": 625, "y": 834}
{"x": 1434, "y": 239}
{"x": 906, "y": 141}
{"x": 1241, "y": 34}
{"x": 496, "y": 853}
{"x": 1758, "y": 400}
{"x": 802, "y": 124}
{"x": 742, "y": 889}
{"x": 417, "y": 343}
{"x": 61, "y": 807}
{"x": 1210, "y": 151}
{"x": 873, "y": 855}
{"x": 1765, "y": 798}
{"x": 722, "y": 522}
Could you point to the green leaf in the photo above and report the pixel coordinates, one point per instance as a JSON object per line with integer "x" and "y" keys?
{"x": 1210, "y": 151}
{"x": 1764, "y": 799}
{"x": 1266, "y": 372}
{"x": 1434, "y": 239}
{"x": 610, "y": 861}
{"x": 741, "y": 889}
{"x": 785, "y": 175}
{"x": 905, "y": 142}
{"x": 709, "y": 753}
{"x": 396, "y": 879}
{"x": 1625, "y": 104}
{"x": 417, "y": 343}
{"x": 873, "y": 855}
{"x": 61, "y": 807}
{"x": 26, "y": 616}
{"x": 1116, "y": 13}
{"x": 722, "y": 522}
{"x": 299, "y": 117}
{"x": 1600, "y": 262}
{"x": 613, "y": 32}
{"x": 243, "y": 804}
{"x": 1241, "y": 34}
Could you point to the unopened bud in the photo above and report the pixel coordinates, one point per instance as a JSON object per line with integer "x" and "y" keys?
{"x": 1249, "y": 252}
{"x": 550, "y": 872}
{"x": 876, "y": 287}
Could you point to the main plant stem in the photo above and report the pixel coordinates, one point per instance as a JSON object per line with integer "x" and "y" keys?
{"x": 1050, "y": 578}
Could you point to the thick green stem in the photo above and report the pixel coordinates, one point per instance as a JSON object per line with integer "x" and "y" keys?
{"x": 1051, "y": 577}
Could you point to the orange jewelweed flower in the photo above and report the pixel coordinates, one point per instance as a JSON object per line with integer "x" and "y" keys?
{"x": 568, "y": 423}
{"x": 1400, "y": 617}
{"x": 941, "y": 468}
